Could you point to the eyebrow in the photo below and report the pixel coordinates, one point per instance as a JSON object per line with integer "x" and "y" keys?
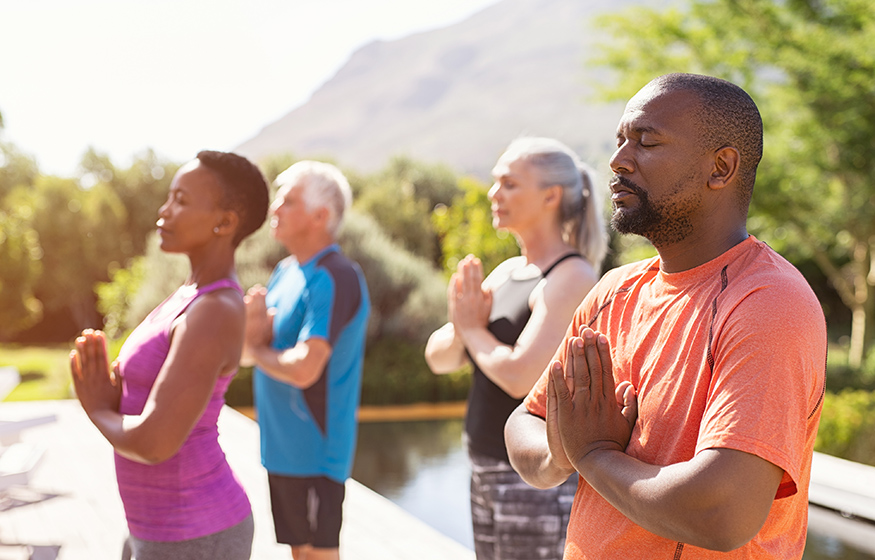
{"x": 641, "y": 130}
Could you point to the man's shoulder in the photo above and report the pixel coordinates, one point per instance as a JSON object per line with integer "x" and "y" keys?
{"x": 340, "y": 267}
{"x": 764, "y": 267}
{"x": 623, "y": 275}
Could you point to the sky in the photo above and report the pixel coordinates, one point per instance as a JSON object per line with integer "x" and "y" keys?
{"x": 178, "y": 76}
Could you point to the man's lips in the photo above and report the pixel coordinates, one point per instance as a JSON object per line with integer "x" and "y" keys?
{"x": 620, "y": 189}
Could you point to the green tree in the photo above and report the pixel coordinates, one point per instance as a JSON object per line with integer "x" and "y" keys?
{"x": 809, "y": 65}
{"x": 20, "y": 265}
{"x": 401, "y": 198}
{"x": 465, "y": 227}
{"x": 16, "y": 170}
{"x": 78, "y": 233}
{"x": 20, "y": 252}
{"x": 142, "y": 189}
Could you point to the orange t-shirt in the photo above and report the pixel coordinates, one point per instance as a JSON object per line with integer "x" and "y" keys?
{"x": 730, "y": 354}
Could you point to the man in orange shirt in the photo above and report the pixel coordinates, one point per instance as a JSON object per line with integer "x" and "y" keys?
{"x": 688, "y": 389}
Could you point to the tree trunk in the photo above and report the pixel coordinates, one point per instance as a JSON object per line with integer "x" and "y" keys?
{"x": 852, "y": 283}
{"x": 862, "y": 275}
{"x": 857, "y": 350}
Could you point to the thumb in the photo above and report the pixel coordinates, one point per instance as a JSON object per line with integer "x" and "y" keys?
{"x": 627, "y": 399}
{"x": 116, "y": 374}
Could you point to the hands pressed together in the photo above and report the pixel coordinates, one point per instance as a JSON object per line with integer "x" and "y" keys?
{"x": 259, "y": 323}
{"x": 97, "y": 383}
{"x": 468, "y": 304}
{"x": 585, "y": 411}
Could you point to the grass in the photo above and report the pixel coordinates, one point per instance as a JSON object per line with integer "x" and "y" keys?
{"x": 44, "y": 371}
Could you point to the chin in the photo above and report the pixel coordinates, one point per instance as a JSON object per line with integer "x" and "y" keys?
{"x": 498, "y": 223}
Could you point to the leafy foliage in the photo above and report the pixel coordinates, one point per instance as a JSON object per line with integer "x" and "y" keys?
{"x": 408, "y": 296}
{"x": 401, "y": 197}
{"x": 847, "y": 426}
{"x": 465, "y": 227}
{"x": 20, "y": 257}
{"x": 395, "y": 372}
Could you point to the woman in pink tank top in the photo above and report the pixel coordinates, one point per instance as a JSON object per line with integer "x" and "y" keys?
{"x": 158, "y": 404}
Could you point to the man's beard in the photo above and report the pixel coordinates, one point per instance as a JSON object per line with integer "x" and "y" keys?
{"x": 659, "y": 223}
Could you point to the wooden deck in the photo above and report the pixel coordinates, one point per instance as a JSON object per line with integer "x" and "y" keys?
{"x": 70, "y": 510}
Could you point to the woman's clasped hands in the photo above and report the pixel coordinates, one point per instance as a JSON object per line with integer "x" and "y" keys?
{"x": 468, "y": 304}
{"x": 98, "y": 384}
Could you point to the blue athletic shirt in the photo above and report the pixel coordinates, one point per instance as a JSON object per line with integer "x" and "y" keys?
{"x": 312, "y": 432}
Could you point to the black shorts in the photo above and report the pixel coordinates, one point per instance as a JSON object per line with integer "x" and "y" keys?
{"x": 306, "y": 510}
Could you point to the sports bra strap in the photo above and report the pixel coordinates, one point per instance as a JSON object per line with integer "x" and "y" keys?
{"x": 559, "y": 260}
{"x": 218, "y": 285}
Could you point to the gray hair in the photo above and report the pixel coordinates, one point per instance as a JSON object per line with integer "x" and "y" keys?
{"x": 580, "y": 214}
{"x": 323, "y": 186}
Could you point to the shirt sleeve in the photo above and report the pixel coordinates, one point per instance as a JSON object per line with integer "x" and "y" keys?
{"x": 319, "y": 302}
{"x": 768, "y": 366}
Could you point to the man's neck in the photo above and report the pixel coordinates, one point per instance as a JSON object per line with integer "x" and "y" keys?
{"x": 693, "y": 252}
{"x": 310, "y": 250}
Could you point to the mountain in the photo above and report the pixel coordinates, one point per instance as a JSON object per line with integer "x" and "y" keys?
{"x": 458, "y": 95}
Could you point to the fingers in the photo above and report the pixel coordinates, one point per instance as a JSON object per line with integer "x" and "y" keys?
{"x": 576, "y": 372}
{"x": 116, "y": 373}
{"x": 471, "y": 281}
{"x": 557, "y": 381}
{"x": 91, "y": 354}
{"x": 470, "y": 270}
{"x": 75, "y": 366}
{"x": 607, "y": 367}
{"x": 598, "y": 359}
{"x": 257, "y": 288}
{"x": 627, "y": 399}
{"x": 254, "y": 297}
{"x": 454, "y": 288}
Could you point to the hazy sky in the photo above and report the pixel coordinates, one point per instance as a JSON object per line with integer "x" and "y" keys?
{"x": 178, "y": 75}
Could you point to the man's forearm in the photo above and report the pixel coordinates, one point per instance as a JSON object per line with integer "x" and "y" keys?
{"x": 718, "y": 500}
{"x": 526, "y": 437}
{"x": 286, "y": 366}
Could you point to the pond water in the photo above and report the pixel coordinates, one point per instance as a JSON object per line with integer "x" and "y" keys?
{"x": 422, "y": 467}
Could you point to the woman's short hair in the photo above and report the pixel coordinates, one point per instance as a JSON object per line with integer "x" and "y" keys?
{"x": 244, "y": 189}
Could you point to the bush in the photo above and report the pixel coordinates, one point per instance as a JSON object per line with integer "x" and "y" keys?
{"x": 841, "y": 376}
{"x": 847, "y": 426}
{"x": 408, "y": 295}
{"x": 239, "y": 393}
{"x": 395, "y": 372}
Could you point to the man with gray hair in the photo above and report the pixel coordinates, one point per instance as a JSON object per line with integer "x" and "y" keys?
{"x": 305, "y": 335}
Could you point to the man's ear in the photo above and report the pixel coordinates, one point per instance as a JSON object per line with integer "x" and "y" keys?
{"x": 321, "y": 215}
{"x": 725, "y": 168}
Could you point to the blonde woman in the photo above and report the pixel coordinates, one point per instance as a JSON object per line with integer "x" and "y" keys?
{"x": 509, "y": 324}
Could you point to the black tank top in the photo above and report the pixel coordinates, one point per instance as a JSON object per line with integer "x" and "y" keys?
{"x": 488, "y": 405}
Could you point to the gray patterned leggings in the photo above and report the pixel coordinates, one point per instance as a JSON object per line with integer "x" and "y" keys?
{"x": 512, "y": 520}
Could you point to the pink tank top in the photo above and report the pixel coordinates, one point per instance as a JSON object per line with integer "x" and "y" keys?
{"x": 194, "y": 493}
